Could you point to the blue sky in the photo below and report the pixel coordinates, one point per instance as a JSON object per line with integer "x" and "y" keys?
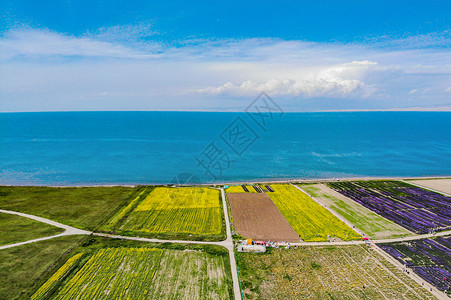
{"x": 184, "y": 55}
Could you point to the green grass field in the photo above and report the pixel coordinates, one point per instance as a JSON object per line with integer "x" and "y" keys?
{"x": 84, "y": 208}
{"x": 372, "y": 224}
{"x": 177, "y": 213}
{"x": 309, "y": 219}
{"x": 102, "y": 268}
{"x": 24, "y": 268}
{"x": 16, "y": 229}
{"x": 325, "y": 272}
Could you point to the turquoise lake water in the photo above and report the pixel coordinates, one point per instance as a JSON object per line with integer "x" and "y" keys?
{"x": 84, "y": 148}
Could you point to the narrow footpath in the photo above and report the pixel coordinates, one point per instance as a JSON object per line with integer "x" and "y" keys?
{"x": 68, "y": 230}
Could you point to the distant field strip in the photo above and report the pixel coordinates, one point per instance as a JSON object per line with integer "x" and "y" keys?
{"x": 190, "y": 210}
{"x": 441, "y": 185}
{"x": 414, "y": 208}
{"x": 363, "y": 218}
{"x": 325, "y": 272}
{"x": 239, "y": 189}
{"x": 309, "y": 219}
{"x": 143, "y": 273}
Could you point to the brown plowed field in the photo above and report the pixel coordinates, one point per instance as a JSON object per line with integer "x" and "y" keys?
{"x": 256, "y": 216}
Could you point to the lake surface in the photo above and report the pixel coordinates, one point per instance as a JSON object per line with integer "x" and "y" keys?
{"x": 90, "y": 148}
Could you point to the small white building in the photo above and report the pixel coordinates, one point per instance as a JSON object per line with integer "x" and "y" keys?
{"x": 251, "y": 248}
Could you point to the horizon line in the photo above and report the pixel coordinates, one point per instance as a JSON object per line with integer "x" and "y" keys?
{"x": 412, "y": 109}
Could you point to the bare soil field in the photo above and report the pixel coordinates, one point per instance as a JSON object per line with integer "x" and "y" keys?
{"x": 256, "y": 216}
{"x": 440, "y": 185}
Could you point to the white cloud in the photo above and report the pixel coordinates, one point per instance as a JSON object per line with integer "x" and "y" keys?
{"x": 423, "y": 41}
{"x": 39, "y": 44}
{"x": 129, "y": 33}
{"x": 335, "y": 81}
{"x": 120, "y": 63}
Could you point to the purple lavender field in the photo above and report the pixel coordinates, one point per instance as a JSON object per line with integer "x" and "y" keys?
{"x": 419, "y": 210}
{"x": 429, "y": 258}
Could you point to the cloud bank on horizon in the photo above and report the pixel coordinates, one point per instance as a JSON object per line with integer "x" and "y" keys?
{"x": 137, "y": 67}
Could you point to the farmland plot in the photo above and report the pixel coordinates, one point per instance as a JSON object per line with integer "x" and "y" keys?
{"x": 146, "y": 273}
{"x": 325, "y": 272}
{"x": 309, "y": 219}
{"x": 429, "y": 258}
{"x": 177, "y": 212}
{"x": 414, "y": 208}
{"x": 363, "y": 218}
{"x": 255, "y": 216}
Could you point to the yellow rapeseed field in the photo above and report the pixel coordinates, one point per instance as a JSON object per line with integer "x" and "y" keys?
{"x": 52, "y": 281}
{"x": 187, "y": 210}
{"x": 239, "y": 189}
{"x": 309, "y": 219}
{"x": 147, "y": 273}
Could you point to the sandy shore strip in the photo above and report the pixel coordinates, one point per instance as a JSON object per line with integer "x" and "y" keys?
{"x": 249, "y": 182}
{"x": 440, "y": 185}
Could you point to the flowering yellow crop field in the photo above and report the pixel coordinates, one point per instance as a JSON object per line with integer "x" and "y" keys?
{"x": 325, "y": 272}
{"x": 239, "y": 189}
{"x": 63, "y": 271}
{"x": 146, "y": 273}
{"x": 309, "y": 219}
{"x": 187, "y": 210}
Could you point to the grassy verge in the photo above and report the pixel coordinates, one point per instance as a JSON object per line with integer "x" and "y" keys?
{"x": 23, "y": 269}
{"x": 123, "y": 212}
{"x": 16, "y": 229}
{"x": 372, "y": 224}
{"x": 81, "y": 207}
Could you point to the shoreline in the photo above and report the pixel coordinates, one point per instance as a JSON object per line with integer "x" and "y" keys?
{"x": 293, "y": 180}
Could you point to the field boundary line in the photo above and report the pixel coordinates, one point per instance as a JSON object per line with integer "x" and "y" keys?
{"x": 152, "y": 240}
{"x": 230, "y": 248}
{"x": 409, "y": 238}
